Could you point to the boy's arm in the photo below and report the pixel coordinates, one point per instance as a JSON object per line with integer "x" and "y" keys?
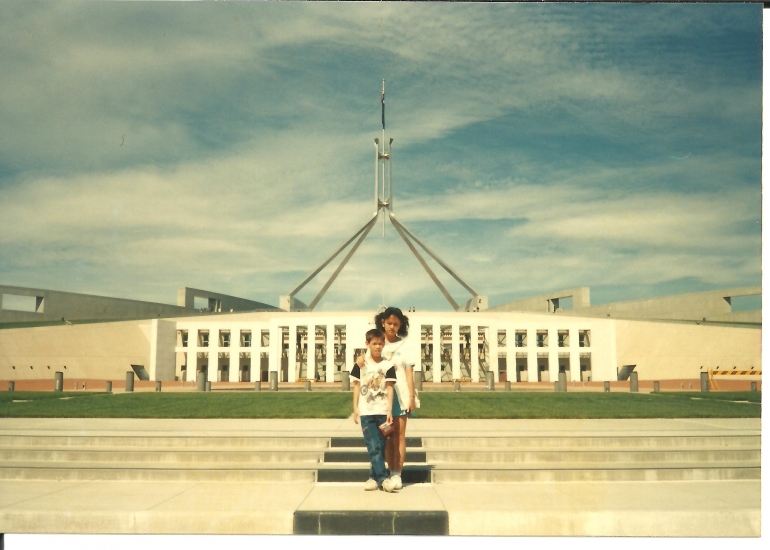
{"x": 356, "y": 393}
{"x": 389, "y": 392}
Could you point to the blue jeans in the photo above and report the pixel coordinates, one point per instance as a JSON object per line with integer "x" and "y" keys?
{"x": 375, "y": 445}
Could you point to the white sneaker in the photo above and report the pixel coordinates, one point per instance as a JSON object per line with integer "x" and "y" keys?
{"x": 396, "y": 479}
{"x": 389, "y": 485}
{"x": 370, "y": 485}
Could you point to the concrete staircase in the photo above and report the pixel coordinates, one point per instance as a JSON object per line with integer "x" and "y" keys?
{"x": 344, "y": 459}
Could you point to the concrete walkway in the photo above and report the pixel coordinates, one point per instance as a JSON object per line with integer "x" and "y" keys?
{"x": 678, "y": 508}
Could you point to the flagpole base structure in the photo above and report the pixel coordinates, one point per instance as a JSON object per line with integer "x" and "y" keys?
{"x": 383, "y": 200}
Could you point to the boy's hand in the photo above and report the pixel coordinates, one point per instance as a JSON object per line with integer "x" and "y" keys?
{"x": 360, "y": 361}
{"x": 356, "y": 416}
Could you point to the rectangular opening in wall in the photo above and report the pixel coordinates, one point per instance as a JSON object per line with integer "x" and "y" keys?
{"x": 200, "y": 303}
{"x": 141, "y": 372}
{"x": 203, "y": 338}
{"x": 245, "y": 338}
{"x": 585, "y": 338}
{"x": 737, "y": 303}
{"x": 563, "y": 338}
{"x": 181, "y": 338}
{"x": 625, "y": 371}
{"x": 542, "y": 338}
{"x": 224, "y": 338}
{"x": 521, "y": 338}
{"x": 29, "y": 304}
{"x": 501, "y": 338}
{"x": 265, "y": 338}
{"x": 565, "y": 303}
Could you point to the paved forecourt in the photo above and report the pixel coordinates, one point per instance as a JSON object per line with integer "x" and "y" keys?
{"x": 668, "y": 477}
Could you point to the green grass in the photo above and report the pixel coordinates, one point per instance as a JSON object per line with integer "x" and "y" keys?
{"x": 339, "y": 405}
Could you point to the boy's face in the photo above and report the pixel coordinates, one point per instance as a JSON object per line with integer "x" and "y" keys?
{"x": 375, "y": 346}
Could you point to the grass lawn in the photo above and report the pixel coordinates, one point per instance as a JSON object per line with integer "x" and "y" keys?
{"x": 339, "y": 405}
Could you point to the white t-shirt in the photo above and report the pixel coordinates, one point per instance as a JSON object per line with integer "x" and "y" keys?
{"x": 401, "y": 354}
{"x": 373, "y": 378}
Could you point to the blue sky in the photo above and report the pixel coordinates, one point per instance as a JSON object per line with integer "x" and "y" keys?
{"x": 536, "y": 148}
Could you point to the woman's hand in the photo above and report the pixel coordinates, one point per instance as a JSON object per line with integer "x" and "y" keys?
{"x": 412, "y": 404}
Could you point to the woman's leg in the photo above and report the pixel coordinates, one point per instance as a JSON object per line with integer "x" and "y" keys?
{"x": 390, "y": 446}
{"x": 400, "y": 422}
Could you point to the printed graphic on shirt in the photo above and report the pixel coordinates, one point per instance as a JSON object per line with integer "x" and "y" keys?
{"x": 373, "y": 378}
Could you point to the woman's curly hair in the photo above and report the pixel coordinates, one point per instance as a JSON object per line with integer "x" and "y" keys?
{"x": 403, "y": 331}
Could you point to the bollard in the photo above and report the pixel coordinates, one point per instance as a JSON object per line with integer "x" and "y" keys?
{"x": 507, "y": 386}
{"x": 457, "y": 385}
{"x": 108, "y": 386}
{"x": 562, "y": 381}
{"x": 704, "y": 381}
{"x": 11, "y": 386}
{"x": 157, "y": 386}
{"x": 556, "y": 385}
{"x": 200, "y": 381}
{"x": 418, "y": 380}
{"x": 607, "y": 387}
{"x": 307, "y": 385}
{"x": 656, "y": 387}
{"x": 130, "y": 381}
{"x": 274, "y": 380}
{"x": 753, "y": 386}
{"x": 491, "y": 382}
{"x": 634, "y": 382}
{"x": 58, "y": 381}
{"x": 208, "y": 385}
{"x": 345, "y": 380}
{"x": 258, "y": 385}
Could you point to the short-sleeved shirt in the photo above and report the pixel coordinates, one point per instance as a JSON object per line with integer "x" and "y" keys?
{"x": 373, "y": 378}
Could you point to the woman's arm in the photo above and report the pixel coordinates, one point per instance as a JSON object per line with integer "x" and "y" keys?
{"x": 409, "y": 369}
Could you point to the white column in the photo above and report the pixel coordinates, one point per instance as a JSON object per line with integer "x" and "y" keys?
{"x": 350, "y": 349}
{"x": 553, "y": 354}
{"x": 456, "y": 352}
{"x": 475, "y": 352}
{"x": 417, "y": 346}
{"x": 213, "y": 363}
{"x": 574, "y": 356}
{"x": 192, "y": 360}
{"x": 311, "y": 351}
{"x": 233, "y": 372}
{"x": 532, "y": 350}
{"x": 292, "y": 353}
{"x": 274, "y": 363}
{"x": 493, "y": 351}
{"x": 330, "y": 353}
{"x": 437, "y": 354}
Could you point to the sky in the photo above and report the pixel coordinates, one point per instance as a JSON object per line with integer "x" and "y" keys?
{"x": 150, "y": 146}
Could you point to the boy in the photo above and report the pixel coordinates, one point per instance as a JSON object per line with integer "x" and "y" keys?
{"x": 373, "y": 404}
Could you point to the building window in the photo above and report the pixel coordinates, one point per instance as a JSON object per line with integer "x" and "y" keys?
{"x": 265, "y": 337}
{"x": 521, "y": 339}
{"x": 542, "y": 338}
{"x": 245, "y": 338}
{"x": 224, "y": 338}
{"x": 184, "y": 335}
{"x": 501, "y": 338}
{"x": 203, "y": 338}
{"x": 585, "y": 338}
{"x": 563, "y": 338}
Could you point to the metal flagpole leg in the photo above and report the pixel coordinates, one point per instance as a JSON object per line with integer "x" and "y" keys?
{"x": 424, "y": 265}
{"x": 433, "y": 255}
{"x": 340, "y": 249}
{"x": 367, "y": 228}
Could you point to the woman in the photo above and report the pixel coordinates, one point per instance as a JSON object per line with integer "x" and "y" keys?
{"x": 395, "y": 325}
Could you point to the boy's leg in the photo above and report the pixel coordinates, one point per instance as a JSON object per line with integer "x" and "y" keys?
{"x": 375, "y": 445}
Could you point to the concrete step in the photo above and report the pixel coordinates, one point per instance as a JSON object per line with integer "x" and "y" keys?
{"x": 183, "y": 457}
{"x": 165, "y": 442}
{"x": 359, "y": 442}
{"x": 360, "y": 455}
{"x": 604, "y": 442}
{"x": 471, "y": 473}
{"x": 544, "y": 458}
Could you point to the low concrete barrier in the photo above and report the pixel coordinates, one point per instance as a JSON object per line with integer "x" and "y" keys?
{"x": 108, "y": 386}
{"x": 208, "y": 386}
{"x": 656, "y": 387}
{"x": 130, "y": 381}
{"x": 607, "y": 386}
{"x": 418, "y": 380}
{"x": 562, "y": 382}
{"x": 345, "y": 380}
{"x": 158, "y": 386}
{"x": 634, "y": 382}
{"x": 704, "y": 381}
{"x": 753, "y": 386}
{"x": 457, "y": 385}
{"x": 201, "y": 381}
{"x": 507, "y": 386}
{"x": 258, "y": 385}
{"x": 273, "y": 380}
{"x": 58, "y": 381}
{"x": 307, "y": 385}
{"x": 11, "y": 386}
